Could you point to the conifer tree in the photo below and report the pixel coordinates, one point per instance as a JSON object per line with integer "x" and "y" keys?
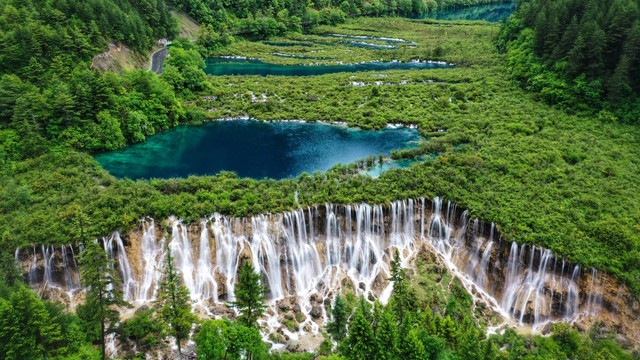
{"x": 386, "y": 336}
{"x": 249, "y": 295}
{"x": 175, "y": 312}
{"x": 360, "y": 344}
{"x": 10, "y": 271}
{"x": 340, "y": 315}
{"x": 402, "y": 299}
{"x": 412, "y": 347}
{"x": 98, "y": 275}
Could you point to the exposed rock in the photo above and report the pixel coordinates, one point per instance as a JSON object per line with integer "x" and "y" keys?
{"x": 297, "y": 308}
{"x": 316, "y": 312}
{"x": 117, "y": 58}
{"x": 307, "y": 343}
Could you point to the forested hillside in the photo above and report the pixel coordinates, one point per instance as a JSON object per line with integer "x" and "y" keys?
{"x": 262, "y": 19}
{"x": 44, "y": 30}
{"x": 48, "y": 94}
{"x": 579, "y": 54}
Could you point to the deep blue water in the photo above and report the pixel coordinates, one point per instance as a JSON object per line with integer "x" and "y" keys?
{"x": 224, "y": 66}
{"x": 251, "y": 149}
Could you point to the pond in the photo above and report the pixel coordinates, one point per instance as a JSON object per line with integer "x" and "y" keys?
{"x": 252, "y": 149}
{"x": 234, "y": 66}
{"x": 488, "y": 12}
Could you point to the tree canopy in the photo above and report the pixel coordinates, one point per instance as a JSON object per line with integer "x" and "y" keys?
{"x": 580, "y": 54}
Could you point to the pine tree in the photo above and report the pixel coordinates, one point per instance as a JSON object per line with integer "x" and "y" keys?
{"x": 402, "y": 299}
{"x": 339, "y": 314}
{"x": 249, "y": 295}
{"x": 175, "y": 312}
{"x": 360, "y": 344}
{"x": 412, "y": 347}
{"x": 98, "y": 275}
{"x": 10, "y": 271}
{"x": 27, "y": 330}
{"x": 386, "y": 336}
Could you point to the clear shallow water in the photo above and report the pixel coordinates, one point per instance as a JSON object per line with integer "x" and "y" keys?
{"x": 365, "y": 45}
{"x": 251, "y": 149}
{"x": 377, "y": 170}
{"x": 225, "y": 66}
{"x": 487, "y": 12}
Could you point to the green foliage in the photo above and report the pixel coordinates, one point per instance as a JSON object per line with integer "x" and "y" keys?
{"x": 183, "y": 70}
{"x": 143, "y": 328}
{"x": 175, "y": 313}
{"x": 260, "y": 20}
{"x": 10, "y": 272}
{"x": 103, "y": 294}
{"x": 581, "y": 55}
{"x": 360, "y": 343}
{"x": 386, "y": 337}
{"x": 564, "y": 343}
{"x": 223, "y": 339}
{"x": 337, "y": 327}
{"x": 27, "y": 329}
{"x": 38, "y": 32}
{"x": 250, "y": 294}
{"x": 402, "y": 298}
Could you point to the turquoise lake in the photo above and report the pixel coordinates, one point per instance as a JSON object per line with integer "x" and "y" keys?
{"x": 252, "y": 149}
{"x": 226, "y": 66}
{"x": 488, "y": 12}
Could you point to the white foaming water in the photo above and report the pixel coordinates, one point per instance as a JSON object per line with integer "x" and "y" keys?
{"x": 266, "y": 257}
{"x": 206, "y": 286}
{"x": 310, "y": 254}
{"x": 228, "y": 246}
{"x": 116, "y": 251}
{"x": 182, "y": 253}
{"x": 151, "y": 262}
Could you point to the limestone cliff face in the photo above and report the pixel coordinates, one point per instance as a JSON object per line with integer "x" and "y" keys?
{"x": 307, "y": 256}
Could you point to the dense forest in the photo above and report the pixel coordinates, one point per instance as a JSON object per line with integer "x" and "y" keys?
{"x": 261, "y": 19}
{"x": 55, "y": 110}
{"x": 48, "y": 93}
{"x": 583, "y": 55}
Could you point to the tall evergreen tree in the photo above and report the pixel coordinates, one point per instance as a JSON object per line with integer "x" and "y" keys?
{"x": 402, "y": 299}
{"x": 339, "y": 317}
{"x": 249, "y": 295}
{"x": 27, "y": 330}
{"x": 175, "y": 312}
{"x": 386, "y": 336}
{"x": 98, "y": 275}
{"x": 411, "y": 347}
{"x": 10, "y": 271}
{"x": 360, "y": 344}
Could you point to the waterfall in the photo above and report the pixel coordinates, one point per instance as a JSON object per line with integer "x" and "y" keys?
{"x": 183, "y": 257}
{"x": 152, "y": 259}
{"x": 595, "y": 293}
{"x": 266, "y": 257}
{"x": 311, "y": 253}
{"x": 206, "y": 287}
{"x": 228, "y": 245}
{"x": 333, "y": 256}
{"x": 47, "y": 257}
{"x": 572, "y": 299}
{"x": 71, "y": 277}
{"x": 303, "y": 254}
{"x": 33, "y": 267}
{"x": 116, "y": 251}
